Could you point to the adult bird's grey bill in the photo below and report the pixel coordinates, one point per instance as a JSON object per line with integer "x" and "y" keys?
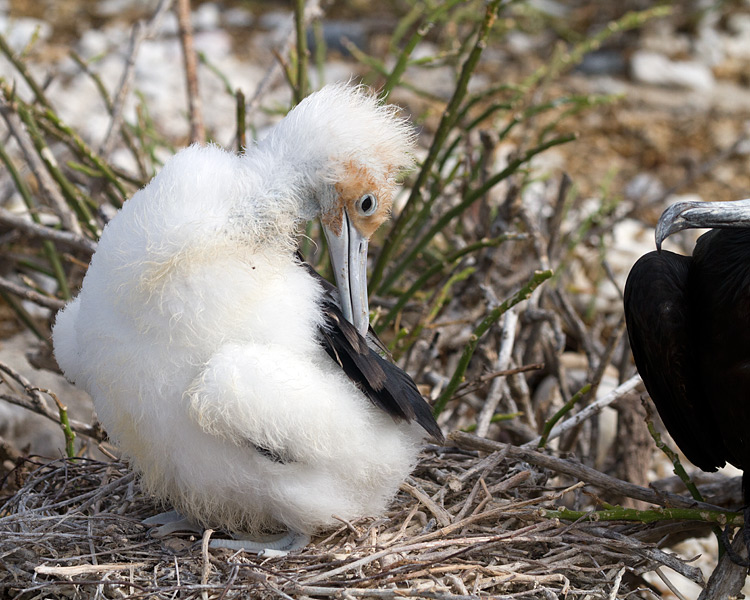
{"x": 700, "y": 215}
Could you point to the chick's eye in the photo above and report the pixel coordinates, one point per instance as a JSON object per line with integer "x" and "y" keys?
{"x": 367, "y": 205}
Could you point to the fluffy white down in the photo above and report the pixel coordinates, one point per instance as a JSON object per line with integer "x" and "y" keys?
{"x": 194, "y": 332}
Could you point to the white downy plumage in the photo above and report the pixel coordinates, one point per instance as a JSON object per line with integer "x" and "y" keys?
{"x": 196, "y": 330}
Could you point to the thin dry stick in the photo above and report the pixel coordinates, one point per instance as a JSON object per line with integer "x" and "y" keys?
{"x": 441, "y": 515}
{"x": 312, "y": 11}
{"x": 728, "y": 577}
{"x": 430, "y": 541}
{"x": 604, "y": 361}
{"x": 195, "y": 107}
{"x": 35, "y": 163}
{"x": 141, "y": 32}
{"x": 578, "y": 471}
{"x": 628, "y": 543}
{"x": 669, "y": 584}
{"x": 64, "y": 238}
{"x": 589, "y": 411}
{"x": 206, "y": 570}
{"x": 85, "y": 569}
{"x": 30, "y": 295}
{"x": 34, "y": 401}
{"x": 499, "y": 385}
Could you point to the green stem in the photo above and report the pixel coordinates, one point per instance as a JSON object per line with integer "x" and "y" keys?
{"x": 679, "y": 470}
{"x": 24, "y": 316}
{"x": 71, "y": 194}
{"x": 48, "y": 246}
{"x": 70, "y": 436}
{"x": 84, "y": 149}
{"x": 470, "y": 198}
{"x": 458, "y": 375}
{"x": 300, "y": 89}
{"x": 447, "y": 122}
{"x": 496, "y": 418}
{"x": 441, "y": 267}
{"x": 618, "y": 513}
{"x": 241, "y": 120}
{"x": 124, "y": 131}
{"x": 567, "y": 407}
{"x": 437, "y": 305}
{"x": 21, "y": 68}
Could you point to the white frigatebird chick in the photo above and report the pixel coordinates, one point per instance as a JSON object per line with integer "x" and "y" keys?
{"x": 688, "y": 320}
{"x": 241, "y": 387}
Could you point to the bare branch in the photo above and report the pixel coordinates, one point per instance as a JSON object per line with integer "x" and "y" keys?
{"x": 140, "y": 33}
{"x": 30, "y": 295}
{"x": 32, "y": 229}
{"x": 195, "y": 106}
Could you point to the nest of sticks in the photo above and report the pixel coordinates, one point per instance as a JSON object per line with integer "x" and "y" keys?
{"x": 477, "y": 518}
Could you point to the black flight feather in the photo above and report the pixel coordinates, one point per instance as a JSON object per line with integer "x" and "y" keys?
{"x": 658, "y": 315}
{"x": 386, "y": 385}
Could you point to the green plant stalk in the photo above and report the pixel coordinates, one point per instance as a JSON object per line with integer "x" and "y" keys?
{"x": 119, "y": 175}
{"x": 405, "y": 24}
{"x": 403, "y": 58}
{"x": 567, "y": 407}
{"x": 228, "y": 87}
{"x": 24, "y": 316}
{"x": 47, "y": 245}
{"x": 320, "y": 50}
{"x": 565, "y": 60}
{"x": 402, "y": 333}
{"x": 124, "y": 131}
{"x": 71, "y": 194}
{"x": 619, "y": 513}
{"x": 496, "y": 418}
{"x": 85, "y": 169}
{"x": 470, "y": 127}
{"x": 447, "y": 122}
{"x": 300, "y": 89}
{"x": 78, "y": 59}
{"x": 241, "y": 120}
{"x": 679, "y": 470}
{"x": 440, "y": 267}
{"x": 437, "y": 305}
{"x": 84, "y": 149}
{"x": 535, "y": 281}
{"x": 442, "y": 297}
{"x": 474, "y": 99}
{"x": 399, "y": 231}
{"x": 471, "y": 197}
{"x": 70, "y": 436}
{"x": 29, "y": 263}
{"x": 147, "y": 134}
{"x": 21, "y": 68}
{"x": 605, "y": 209}
{"x": 373, "y": 63}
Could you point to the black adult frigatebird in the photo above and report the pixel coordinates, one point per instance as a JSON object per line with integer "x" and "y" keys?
{"x": 688, "y": 320}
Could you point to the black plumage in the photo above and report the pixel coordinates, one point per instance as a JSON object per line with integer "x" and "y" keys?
{"x": 688, "y": 321}
{"x": 385, "y": 384}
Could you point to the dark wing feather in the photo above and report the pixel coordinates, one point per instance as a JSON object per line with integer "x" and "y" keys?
{"x": 386, "y": 385}
{"x": 720, "y": 287}
{"x": 657, "y": 311}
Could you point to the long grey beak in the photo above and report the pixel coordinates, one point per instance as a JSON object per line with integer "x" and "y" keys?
{"x": 696, "y": 215}
{"x": 348, "y": 252}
